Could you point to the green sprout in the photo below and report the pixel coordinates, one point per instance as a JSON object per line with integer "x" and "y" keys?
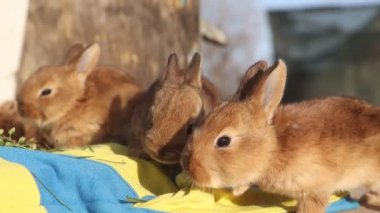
{"x": 6, "y": 139}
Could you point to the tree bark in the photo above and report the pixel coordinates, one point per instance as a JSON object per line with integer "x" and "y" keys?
{"x": 136, "y": 36}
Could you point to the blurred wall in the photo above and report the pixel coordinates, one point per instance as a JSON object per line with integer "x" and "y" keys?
{"x": 249, "y": 39}
{"x": 12, "y": 22}
{"x": 331, "y": 46}
{"x": 323, "y": 57}
{"x": 329, "y": 51}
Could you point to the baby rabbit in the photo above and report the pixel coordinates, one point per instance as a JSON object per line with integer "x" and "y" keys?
{"x": 79, "y": 102}
{"x": 10, "y": 117}
{"x": 306, "y": 150}
{"x": 166, "y": 113}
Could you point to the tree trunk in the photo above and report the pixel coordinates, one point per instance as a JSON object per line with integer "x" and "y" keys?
{"x": 136, "y": 36}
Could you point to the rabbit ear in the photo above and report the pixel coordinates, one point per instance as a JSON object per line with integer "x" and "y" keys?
{"x": 269, "y": 87}
{"x": 88, "y": 59}
{"x": 194, "y": 74}
{"x": 172, "y": 73}
{"x": 73, "y": 54}
{"x": 247, "y": 80}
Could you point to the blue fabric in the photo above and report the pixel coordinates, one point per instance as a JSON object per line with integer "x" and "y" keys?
{"x": 82, "y": 185}
{"x": 344, "y": 204}
{"x": 79, "y": 185}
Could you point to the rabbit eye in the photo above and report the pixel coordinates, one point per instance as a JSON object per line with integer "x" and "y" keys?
{"x": 46, "y": 92}
{"x": 190, "y": 129}
{"x": 223, "y": 141}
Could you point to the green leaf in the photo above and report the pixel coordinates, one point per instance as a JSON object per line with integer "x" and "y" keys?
{"x": 33, "y": 146}
{"x": 81, "y": 157}
{"x": 21, "y": 140}
{"x": 135, "y": 200}
{"x": 51, "y": 193}
{"x": 11, "y": 131}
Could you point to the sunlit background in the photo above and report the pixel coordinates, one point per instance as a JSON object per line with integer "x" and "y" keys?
{"x": 331, "y": 47}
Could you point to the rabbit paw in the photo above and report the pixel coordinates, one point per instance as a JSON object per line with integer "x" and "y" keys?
{"x": 371, "y": 198}
{"x": 237, "y": 191}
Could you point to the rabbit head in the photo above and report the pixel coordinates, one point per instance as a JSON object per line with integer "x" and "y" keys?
{"x": 176, "y": 104}
{"x": 50, "y": 91}
{"x": 234, "y": 143}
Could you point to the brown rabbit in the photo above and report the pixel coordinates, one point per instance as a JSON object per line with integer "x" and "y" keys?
{"x": 165, "y": 115}
{"x": 306, "y": 150}
{"x": 10, "y": 118}
{"x": 79, "y": 102}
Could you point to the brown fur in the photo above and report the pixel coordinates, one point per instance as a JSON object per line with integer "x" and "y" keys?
{"x": 160, "y": 123}
{"x": 10, "y": 117}
{"x": 306, "y": 150}
{"x": 88, "y": 103}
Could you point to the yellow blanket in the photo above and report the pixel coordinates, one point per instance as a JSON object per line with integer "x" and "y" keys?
{"x": 19, "y": 191}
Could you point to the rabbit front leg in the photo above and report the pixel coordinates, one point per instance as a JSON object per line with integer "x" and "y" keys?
{"x": 76, "y": 134}
{"x": 240, "y": 190}
{"x": 312, "y": 202}
{"x": 372, "y": 197}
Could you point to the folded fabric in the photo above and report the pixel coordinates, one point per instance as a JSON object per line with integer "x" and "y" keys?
{"x": 103, "y": 179}
{"x": 221, "y": 201}
{"x": 69, "y": 183}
